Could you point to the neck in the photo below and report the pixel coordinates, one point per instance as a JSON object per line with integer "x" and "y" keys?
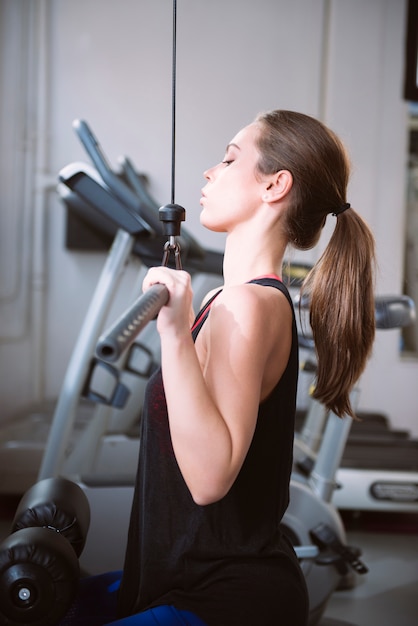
{"x": 251, "y": 255}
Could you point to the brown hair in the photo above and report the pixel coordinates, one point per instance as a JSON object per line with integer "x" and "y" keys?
{"x": 340, "y": 286}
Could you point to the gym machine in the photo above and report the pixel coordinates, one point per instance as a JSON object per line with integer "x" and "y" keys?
{"x": 39, "y": 560}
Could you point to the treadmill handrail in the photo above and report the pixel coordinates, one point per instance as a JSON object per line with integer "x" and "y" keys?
{"x": 115, "y": 184}
{"x": 394, "y": 311}
{"x": 391, "y": 311}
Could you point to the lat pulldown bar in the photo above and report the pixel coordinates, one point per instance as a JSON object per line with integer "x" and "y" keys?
{"x": 124, "y": 331}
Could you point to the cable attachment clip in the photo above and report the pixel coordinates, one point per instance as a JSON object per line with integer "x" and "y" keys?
{"x": 172, "y": 247}
{"x": 172, "y": 215}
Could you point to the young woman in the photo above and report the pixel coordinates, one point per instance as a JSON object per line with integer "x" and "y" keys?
{"x": 204, "y": 544}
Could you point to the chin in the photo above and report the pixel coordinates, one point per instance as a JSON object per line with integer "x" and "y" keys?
{"x": 211, "y": 225}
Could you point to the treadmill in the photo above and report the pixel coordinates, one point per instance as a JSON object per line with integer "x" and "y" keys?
{"x": 379, "y": 467}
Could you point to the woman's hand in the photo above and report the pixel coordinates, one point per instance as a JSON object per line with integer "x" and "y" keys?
{"x": 177, "y": 315}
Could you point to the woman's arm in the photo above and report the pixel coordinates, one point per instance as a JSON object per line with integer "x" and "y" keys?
{"x": 213, "y": 389}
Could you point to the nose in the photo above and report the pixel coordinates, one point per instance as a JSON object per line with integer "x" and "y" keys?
{"x": 208, "y": 174}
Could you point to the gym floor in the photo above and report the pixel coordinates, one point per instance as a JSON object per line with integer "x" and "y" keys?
{"x": 386, "y": 596}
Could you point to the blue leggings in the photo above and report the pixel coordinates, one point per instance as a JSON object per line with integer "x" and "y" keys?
{"x": 96, "y": 605}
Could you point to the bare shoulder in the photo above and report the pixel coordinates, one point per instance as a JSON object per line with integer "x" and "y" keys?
{"x": 252, "y": 325}
{"x": 254, "y": 305}
{"x": 252, "y": 295}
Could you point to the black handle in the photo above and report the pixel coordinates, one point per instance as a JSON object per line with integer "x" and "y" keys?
{"x": 123, "y": 333}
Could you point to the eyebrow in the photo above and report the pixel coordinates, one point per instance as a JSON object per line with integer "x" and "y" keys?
{"x": 232, "y": 145}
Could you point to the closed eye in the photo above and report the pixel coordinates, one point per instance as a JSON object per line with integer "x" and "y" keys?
{"x": 228, "y": 162}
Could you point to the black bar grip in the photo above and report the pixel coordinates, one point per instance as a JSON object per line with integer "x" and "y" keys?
{"x": 122, "y": 334}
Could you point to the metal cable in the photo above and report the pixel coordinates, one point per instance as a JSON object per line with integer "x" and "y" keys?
{"x": 173, "y": 104}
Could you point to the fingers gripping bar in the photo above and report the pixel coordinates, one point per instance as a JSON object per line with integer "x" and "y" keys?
{"x": 123, "y": 333}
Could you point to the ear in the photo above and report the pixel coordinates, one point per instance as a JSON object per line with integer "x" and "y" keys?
{"x": 277, "y": 186}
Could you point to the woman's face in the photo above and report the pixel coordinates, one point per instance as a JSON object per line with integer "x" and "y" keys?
{"x": 233, "y": 192}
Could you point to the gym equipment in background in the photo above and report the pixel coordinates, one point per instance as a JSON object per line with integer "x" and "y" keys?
{"x": 312, "y": 517}
{"x": 102, "y": 436}
{"x": 39, "y": 567}
{"x": 84, "y": 369}
{"x": 379, "y": 471}
{"x": 379, "y": 464}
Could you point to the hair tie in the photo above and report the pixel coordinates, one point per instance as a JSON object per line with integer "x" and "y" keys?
{"x": 344, "y": 207}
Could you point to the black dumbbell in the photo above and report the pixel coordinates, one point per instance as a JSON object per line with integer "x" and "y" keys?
{"x": 39, "y": 568}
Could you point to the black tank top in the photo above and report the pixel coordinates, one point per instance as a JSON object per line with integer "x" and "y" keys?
{"x": 228, "y": 561}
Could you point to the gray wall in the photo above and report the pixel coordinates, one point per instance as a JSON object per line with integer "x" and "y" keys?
{"x": 109, "y": 62}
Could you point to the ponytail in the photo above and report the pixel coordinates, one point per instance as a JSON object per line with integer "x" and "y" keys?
{"x": 340, "y": 288}
{"x": 340, "y": 285}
